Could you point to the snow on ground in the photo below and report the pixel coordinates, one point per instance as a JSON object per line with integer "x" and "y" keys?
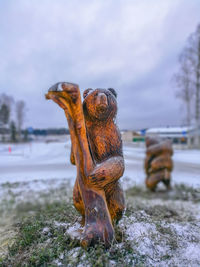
{"x": 40, "y": 160}
{"x": 161, "y": 232}
{"x": 189, "y": 156}
{"x": 34, "y": 161}
{"x": 170, "y": 240}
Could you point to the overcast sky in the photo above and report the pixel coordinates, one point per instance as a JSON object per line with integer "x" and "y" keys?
{"x": 130, "y": 45}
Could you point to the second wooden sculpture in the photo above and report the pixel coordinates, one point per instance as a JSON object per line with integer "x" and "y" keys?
{"x": 97, "y": 153}
{"x": 158, "y": 162}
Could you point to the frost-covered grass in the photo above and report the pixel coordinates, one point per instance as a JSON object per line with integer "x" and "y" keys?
{"x": 40, "y": 225}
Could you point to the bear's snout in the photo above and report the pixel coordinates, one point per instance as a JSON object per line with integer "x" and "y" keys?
{"x": 101, "y": 100}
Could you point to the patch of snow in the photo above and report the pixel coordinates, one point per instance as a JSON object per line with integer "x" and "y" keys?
{"x": 61, "y": 256}
{"x": 192, "y": 252}
{"x": 74, "y": 252}
{"x": 138, "y": 229}
{"x": 61, "y": 224}
{"x": 58, "y": 262}
{"x": 187, "y": 156}
{"x": 74, "y": 231}
{"x": 178, "y": 244}
{"x": 45, "y": 230}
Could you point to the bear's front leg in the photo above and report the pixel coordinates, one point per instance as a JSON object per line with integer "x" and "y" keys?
{"x": 107, "y": 172}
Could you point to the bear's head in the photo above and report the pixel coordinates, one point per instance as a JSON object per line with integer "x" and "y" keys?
{"x": 100, "y": 104}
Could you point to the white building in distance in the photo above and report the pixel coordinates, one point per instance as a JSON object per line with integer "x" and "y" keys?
{"x": 179, "y": 135}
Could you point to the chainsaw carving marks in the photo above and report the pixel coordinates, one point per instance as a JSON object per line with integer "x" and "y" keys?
{"x": 158, "y": 162}
{"x": 97, "y": 153}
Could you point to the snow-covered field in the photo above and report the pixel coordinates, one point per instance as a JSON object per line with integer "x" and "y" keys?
{"x": 36, "y": 161}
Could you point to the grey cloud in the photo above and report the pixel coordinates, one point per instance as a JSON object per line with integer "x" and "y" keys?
{"x": 128, "y": 45}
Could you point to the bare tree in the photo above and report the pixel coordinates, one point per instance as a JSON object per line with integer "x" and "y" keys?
{"x": 188, "y": 78}
{"x": 6, "y": 103}
{"x": 20, "y": 115}
{"x": 193, "y": 55}
{"x": 183, "y": 81}
{"x": 4, "y": 114}
{"x": 13, "y": 131}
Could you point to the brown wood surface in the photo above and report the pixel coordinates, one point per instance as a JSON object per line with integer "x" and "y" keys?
{"x": 97, "y": 153}
{"x": 158, "y": 162}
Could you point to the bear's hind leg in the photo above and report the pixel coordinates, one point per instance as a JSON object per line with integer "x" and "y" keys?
{"x": 78, "y": 202}
{"x": 115, "y": 201}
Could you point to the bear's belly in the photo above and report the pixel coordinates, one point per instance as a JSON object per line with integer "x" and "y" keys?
{"x": 102, "y": 148}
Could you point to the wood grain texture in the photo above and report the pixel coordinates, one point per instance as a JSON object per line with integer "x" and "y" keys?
{"x": 158, "y": 162}
{"x": 97, "y": 153}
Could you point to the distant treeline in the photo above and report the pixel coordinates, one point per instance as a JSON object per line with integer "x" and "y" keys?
{"x": 50, "y": 131}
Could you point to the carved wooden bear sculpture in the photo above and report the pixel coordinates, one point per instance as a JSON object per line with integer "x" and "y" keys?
{"x": 97, "y": 153}
{"x": 158, "y": 162}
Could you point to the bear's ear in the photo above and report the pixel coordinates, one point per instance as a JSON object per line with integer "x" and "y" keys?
{"x": 113, "y": 91}
{"x": 85, "y": 93}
